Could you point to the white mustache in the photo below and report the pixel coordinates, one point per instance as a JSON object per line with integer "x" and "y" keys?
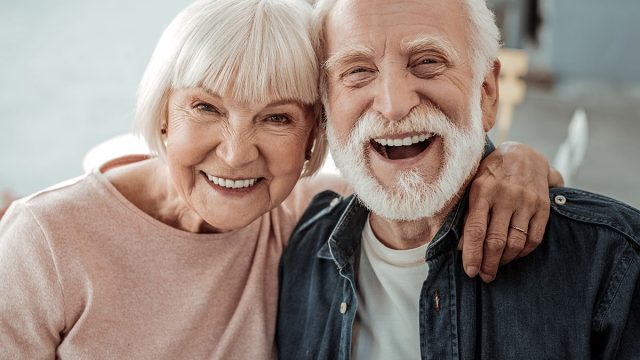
{"x": 409, "y": 197}
{"x": 421, "y": 119}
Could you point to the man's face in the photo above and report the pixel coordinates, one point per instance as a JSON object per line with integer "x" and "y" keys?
{"x": 405, "y": 123}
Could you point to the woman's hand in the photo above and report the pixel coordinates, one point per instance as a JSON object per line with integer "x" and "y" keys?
{"x": 510, "y": 193}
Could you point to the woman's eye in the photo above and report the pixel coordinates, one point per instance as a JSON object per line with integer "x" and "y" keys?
{"x": 206, "y": 108}
{"x": 278, "y": 119}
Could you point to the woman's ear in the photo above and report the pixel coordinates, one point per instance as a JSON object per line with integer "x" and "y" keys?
{"x": 311, "y": 142}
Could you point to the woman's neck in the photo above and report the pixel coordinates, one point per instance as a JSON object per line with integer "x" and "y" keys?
{"x": 148, "y": 185}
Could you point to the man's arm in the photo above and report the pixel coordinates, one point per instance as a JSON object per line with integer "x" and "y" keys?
{"x": 508, "y": 208}
{"x": 629, "y": 347}
{"x": 616, "y": 323}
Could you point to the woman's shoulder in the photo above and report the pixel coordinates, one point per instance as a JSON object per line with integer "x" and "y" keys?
{"x": 37, "y": 214}
{"x": 308, "y": 187}
{"x": 57, "y": 196}
{"x": 70, "y": 202}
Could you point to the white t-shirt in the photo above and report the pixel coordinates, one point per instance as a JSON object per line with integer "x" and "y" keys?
{"x": 389, "y": 286}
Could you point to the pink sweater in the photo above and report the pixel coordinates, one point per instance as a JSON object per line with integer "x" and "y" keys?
{"x": 84, "y": 274}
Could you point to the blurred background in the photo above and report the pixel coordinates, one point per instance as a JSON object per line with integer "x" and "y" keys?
{"x": 69, "y": 72}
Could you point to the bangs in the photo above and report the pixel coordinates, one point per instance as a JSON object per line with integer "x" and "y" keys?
{"x": 255, "y": 53}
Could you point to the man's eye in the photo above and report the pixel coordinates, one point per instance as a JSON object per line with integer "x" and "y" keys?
{"x": 206, "y": 108}
{"x": 357, "y": 70}
{"x": 278, "y": 119}
{"x": 428, "y": 67}
{"x": 427, "y": 62}
{"x": 357, "y": 76}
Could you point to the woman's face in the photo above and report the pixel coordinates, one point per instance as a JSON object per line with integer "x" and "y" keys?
{"x": 233, "y": 162}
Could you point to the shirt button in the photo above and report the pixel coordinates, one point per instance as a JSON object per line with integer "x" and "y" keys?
{"x": 560, "y": 200}
{"x": 343, "y": 308}
{"x": 334, "y": 202}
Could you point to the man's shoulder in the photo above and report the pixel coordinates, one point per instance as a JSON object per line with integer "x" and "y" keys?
{"x": 584, "y": 209}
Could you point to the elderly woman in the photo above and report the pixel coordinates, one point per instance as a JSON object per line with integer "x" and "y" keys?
{"x": 176, "y": 256}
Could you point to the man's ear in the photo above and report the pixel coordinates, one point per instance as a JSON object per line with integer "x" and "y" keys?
{"x": 490, "y": 95}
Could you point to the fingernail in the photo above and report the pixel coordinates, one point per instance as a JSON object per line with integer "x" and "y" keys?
{"x": 472, "y": 270}
{"x": 487, "y": 278}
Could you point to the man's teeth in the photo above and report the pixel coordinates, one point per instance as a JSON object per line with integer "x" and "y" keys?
{"x": 409, "y": 140}
{"x": 231, "y": 184}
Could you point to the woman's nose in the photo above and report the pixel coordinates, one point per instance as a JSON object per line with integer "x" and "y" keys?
{"x": 237, "y": 149}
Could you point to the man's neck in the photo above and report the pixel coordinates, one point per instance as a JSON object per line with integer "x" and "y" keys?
{"x": 403, "y": 235}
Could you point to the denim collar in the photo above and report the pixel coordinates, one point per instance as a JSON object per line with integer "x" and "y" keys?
{"x": 344, "y": 240}
{"x": 344, "y": 243}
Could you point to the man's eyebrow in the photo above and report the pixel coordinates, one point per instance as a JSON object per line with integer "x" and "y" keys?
{"x": 347, "y": 55}
{"x": 430, "y": 43}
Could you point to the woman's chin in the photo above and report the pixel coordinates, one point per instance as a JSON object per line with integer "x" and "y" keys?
{"x": 223, "y": 224}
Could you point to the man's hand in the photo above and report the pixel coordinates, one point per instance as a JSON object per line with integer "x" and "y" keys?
{"x": 510, "y": 192}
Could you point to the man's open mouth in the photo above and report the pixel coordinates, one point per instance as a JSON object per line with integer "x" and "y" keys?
{"x": 402, "y": 148}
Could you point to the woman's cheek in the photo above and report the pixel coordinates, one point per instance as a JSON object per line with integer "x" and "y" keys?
{"x": 189, "y": 144}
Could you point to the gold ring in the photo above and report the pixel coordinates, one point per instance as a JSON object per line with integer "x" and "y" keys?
{"x": 519, "y": 229}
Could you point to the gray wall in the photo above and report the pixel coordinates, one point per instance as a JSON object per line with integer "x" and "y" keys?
{"x": 68, "y": 76}
{"x": 596, "y": 40}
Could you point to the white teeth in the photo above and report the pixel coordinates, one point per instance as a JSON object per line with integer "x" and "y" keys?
{"x": 231, "y": 184}
{"x": 409, "y": 140}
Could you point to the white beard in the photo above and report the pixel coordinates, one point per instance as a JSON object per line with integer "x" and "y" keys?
{"x": 411, "y": 198}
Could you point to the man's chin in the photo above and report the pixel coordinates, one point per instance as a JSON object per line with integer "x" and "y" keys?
{"x": 415, "y": 195}
{"x": 402, "y": 203}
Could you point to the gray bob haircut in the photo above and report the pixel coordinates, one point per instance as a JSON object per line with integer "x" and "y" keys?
{"x": 484, "y": 37}
{"x": 253, "y": 50}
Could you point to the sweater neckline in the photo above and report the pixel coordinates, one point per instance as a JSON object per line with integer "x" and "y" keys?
{"x": 102, "y": 181}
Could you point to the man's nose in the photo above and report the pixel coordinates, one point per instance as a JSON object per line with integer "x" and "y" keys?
{"x": 395, "y": 96}
{"x": 237, "y": 148}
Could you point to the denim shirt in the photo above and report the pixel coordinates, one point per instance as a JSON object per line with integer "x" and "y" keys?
{"x": 577, "y": 296}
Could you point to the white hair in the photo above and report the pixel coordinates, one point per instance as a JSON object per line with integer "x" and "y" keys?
{"x": 484, "y": 37}
{"x": 483, "y": 33}
{"x": 254, "y": 50}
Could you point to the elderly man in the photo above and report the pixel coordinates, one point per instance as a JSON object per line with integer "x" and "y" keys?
{"x": 411, "y": 88}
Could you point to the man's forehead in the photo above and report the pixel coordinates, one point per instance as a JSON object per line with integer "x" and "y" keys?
{"x": 408, "y": 46}
{"x": 385, "y": 12}
{"x": 363, "y": 22}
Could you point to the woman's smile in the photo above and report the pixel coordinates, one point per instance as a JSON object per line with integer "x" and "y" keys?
{"x": 229, "y": 183}
{"x": 238, "y": 187}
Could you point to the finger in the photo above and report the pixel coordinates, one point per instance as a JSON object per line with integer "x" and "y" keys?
{"x": 516, "y": 239}
{"x": 461, "y": 241}
{"x": 537, "y": 227}
{"x": 475, "y": 228}
{"x": 555, "y": 179}
{"x": 495, "y": 243}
